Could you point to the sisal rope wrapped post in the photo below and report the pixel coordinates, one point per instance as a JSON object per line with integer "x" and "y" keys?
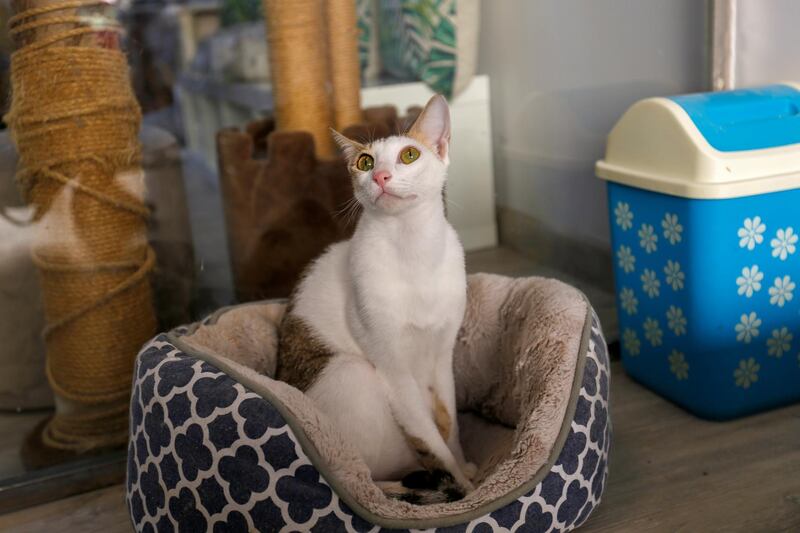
{"x": 75, "y": 120}
{"x": 299, "y": 69}
{"x": 345, "y": 71}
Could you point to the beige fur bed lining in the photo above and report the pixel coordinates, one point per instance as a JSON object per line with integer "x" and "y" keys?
{"x": 515, "y": 366}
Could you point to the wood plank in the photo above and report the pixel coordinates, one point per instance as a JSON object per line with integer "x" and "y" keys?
{"x": 671, "y": 471}
{"x": 62, "y": 481}
{"x": 14, "y": 427}
{"x": 101, "y": 511}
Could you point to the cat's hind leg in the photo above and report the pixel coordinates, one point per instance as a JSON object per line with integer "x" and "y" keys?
{"x": 410, "y": 408}
{"x": 351, "y": 394}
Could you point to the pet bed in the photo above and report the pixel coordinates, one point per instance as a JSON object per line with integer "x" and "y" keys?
{"x": 218, "y": 445}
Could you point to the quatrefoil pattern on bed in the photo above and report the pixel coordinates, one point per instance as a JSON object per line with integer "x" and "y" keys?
{"x": 207, "y": 454}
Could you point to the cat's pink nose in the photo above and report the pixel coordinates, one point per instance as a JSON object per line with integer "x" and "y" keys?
{"x": 381, "y": 177}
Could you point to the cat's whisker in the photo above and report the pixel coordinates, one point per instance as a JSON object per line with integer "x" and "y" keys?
{"x": 350, "y": 203}
{"x": 348, "y": 212}
{"x": 353, "y": 214}
{"x": 345, "y": 207}
{"x": 454, "y": 204}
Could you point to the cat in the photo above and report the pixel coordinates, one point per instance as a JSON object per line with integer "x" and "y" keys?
{"x": 370, "y": 329}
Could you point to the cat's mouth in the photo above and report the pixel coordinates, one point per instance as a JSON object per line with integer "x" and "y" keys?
{"x": 387, "y": 195}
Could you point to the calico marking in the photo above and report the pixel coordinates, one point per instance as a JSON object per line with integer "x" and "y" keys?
{"x": 301, "y": 357}
{"x": 423, "y": 488}
{"x": 443, "y": 422}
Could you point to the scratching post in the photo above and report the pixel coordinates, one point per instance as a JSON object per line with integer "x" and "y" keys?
{"x": 299, "y": 69}
{"x": 75, "y": 120}
{"x": 314, "y": 88}
{"x": 345, "y": 71}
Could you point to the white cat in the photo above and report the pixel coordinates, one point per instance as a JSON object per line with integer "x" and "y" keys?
{"x": 370, "y": 330}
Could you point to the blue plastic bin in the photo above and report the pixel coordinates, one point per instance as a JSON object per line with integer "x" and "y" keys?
{"x": 704, "y": 201}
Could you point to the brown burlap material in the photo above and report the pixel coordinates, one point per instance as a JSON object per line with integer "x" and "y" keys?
{"x": 299, "y": 69}
{"x": 345, "y": 71}
{"x": 75, "y": 121}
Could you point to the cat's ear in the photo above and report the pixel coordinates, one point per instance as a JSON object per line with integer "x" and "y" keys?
{"x": 350, "y": 148}
{"x": 432, "y": 127}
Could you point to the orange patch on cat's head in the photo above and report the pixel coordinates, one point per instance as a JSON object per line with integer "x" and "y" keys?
{"x": 432, "y": 127}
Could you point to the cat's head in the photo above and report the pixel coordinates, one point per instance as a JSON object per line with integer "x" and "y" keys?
{"x": 393, "y": 174}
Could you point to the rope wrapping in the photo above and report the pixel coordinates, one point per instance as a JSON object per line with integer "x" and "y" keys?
{"x": 342, "y": 22}
{"x": 75, "y": 121}
{"x": 299, "y": 69}
{"x": 314, "y": 65}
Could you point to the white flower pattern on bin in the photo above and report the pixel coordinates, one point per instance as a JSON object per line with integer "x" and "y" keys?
{"x": 674, "y": 275}
{"x": 672, "y": 228}
{"x": 780, "y": 342}
{"x": 747, "y": 328}
{"x": 783, "y": 245}
{"x": 631, "y": 343}
{"x": 648, "y": 238}
{"x": 747, "y": 373}
{"x": 782, "y": 291}
{"x": 624, "y": 215}
{"x": 628, "y": 301}
{"x": 750, "y": 281}
{"x": 650, "y": 283}
{"x": 627, "y": 261}
{"x": 678, "y": 365}
{"x": 751, "y": 233}
{"x": 676, "y": 321}
{"x": 652, "y": 332}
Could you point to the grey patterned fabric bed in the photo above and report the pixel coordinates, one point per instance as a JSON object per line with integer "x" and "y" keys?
{"x": 217, "y": 445}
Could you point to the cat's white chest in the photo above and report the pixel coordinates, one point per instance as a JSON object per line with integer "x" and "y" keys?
{"x": 413, "y": 294}
{"x": 431, "y": 300}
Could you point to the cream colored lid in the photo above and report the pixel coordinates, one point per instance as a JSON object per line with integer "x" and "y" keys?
{"x": 656, "y": 146}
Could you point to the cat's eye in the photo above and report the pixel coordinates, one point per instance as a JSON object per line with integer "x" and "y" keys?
{"x": 365, "y": 162}
{"x": 409, "y": 155}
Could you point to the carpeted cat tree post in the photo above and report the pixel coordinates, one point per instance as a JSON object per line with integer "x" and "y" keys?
{"x": 75, "y": 120}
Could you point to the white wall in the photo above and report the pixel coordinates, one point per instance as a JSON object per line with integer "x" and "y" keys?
{"x": 767, "y": 42}
{"x": 562, "y": 72}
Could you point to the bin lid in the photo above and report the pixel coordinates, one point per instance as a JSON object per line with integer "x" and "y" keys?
{"x": 709, "y": 145}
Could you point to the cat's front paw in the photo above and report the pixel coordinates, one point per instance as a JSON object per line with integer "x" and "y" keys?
{"x": 470, "y": 470}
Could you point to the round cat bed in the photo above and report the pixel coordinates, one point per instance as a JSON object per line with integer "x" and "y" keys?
{"x": 218, "y": 445}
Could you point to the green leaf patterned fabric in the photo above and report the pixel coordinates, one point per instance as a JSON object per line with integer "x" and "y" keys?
{"x": 418, "y": 40}
{"x": 238, "y": 11}
{"x": 366, "y": 25}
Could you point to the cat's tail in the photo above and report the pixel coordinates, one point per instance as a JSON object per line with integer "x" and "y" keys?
{"x": 424, "y": 488}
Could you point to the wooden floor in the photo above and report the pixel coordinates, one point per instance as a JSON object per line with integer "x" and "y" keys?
{"x": 14, "y": 427}
{"x": 669, "y": 472}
